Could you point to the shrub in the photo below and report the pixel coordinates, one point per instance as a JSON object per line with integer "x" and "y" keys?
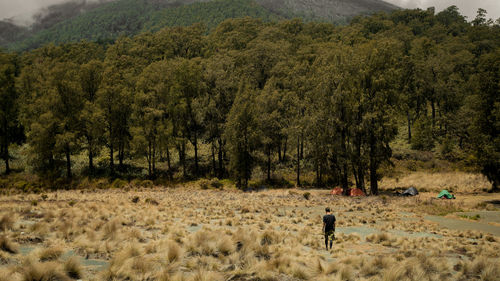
{"x": 215, "y": 183}
{"x": 152, "y": 201}
{"x": 204, "y": 184}
{"x": 147, "y": 183}
{"x": 119, "y": 183}
{"x": 307, "y": 195}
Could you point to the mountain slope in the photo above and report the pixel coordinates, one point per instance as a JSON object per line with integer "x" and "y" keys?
{"x": 330, "y": 10}
{"x": 109, "y": 20}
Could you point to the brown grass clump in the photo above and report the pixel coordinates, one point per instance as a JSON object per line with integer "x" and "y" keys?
{"x": 385, "y": 239}
{"x": 110, "y": 230}
{"x": 6, "y": 222}
{"x": 174, "y": 252}
{"x": 6, "y": 274}
{"x": 481, "y": 267}
{"x": 50, "y": 254}
{"x": 72, "y": 268}
{"x": 8, "y": 246}
{"x": 43, "y": 271}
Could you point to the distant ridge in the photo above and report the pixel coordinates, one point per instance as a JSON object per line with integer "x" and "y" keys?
{"x": 107, "y": 19}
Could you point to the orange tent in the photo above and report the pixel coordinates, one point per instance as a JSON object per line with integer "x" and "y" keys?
{"x": 356, "y": 192}
{"x": 337, "y": 191}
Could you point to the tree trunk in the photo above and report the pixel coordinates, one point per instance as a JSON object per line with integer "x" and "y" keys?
{"x": 6, "y": 157}
{"x": 373, "y": 178}
{"x": 355, "y": 172}
{"x": 373, "y": 167}
{"x": 284, "y": 150}
{"x": 221, "y": 160}
{"x": 279, "y": 152}
{"x": 433, "y": 107}
{"x": 214, "y": 165}
{"x": 302, "y": 147}
{"x": 361, "y": 179}
{"x": 195, "y": 144}
{"x": 111, "y": 151}
{"x": 344, "y": 182}
{"x": 409, "y": 126}
{"x": 149, "y": 158}
{"x": 246, "y": 158}
{"x": 182, "y": 158}
{"x": 168, "y": 163}
{"x": 121, "y": 154}
{"x": 495, "y": 187}
{"x": 68, "y": 162}
{"x": 318, "y": 173}
{"x": 269, "y": 164}
{"x": 91, "y": 161}
{"x": 298, "y": 160}
{"x": 154, "y": 157}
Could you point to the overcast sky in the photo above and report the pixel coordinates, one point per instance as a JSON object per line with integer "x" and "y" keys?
{"x": 467, "y": 7}
{"x": 23, "y": 10}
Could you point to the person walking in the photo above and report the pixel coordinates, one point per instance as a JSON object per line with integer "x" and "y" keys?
{"x": 329, "y": 227}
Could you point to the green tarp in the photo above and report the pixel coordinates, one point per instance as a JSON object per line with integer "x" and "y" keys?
{"x": 444, "y": 193}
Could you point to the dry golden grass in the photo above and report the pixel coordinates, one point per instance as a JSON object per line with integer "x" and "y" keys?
{"x": 214, "y": 234}
{"x": 8, "y": 246}
{"x": 458, "y": 182}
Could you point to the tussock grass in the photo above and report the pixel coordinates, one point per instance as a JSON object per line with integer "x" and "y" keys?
{"x": 7, "y": 222}
{"x": 458, "y": 182}
{"x": 50, "y": 254}
{"x": 73, "y": 269}
{"x": 35, "y": 271}
{"x": 269, "y": 235}
{"x": 7, "y": 245}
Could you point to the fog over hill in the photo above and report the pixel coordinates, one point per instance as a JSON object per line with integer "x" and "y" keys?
{"x": 467, "y": 7}
{"x": 31, "y": 23}
{"x": 27, "y": 11}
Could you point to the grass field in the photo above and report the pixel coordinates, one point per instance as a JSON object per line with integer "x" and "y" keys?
{"x": 186, "y": 233}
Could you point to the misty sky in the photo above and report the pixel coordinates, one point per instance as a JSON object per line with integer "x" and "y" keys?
{"x": 23, "y": 10}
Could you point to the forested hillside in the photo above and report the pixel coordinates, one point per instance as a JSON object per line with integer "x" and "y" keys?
{"x": 104, "y": 22}
{"x": 309, "y": 97}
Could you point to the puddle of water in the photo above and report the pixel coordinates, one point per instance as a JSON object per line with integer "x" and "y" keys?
{"x": 98, "y": 264}
{"x": 24, "y": 250}
{"x": 414, "y": 234}
{"x": 485, "y": 216}
{"x": 192, "y": 229}
{"x": 361, "y": 230}
{"x": 464, "y": 225}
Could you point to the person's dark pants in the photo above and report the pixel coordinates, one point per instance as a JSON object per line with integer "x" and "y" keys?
{"x": 329, "y": 235}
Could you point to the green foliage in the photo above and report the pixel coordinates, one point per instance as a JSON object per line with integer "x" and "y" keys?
{"x": 286, "y": 96}
{"x": 11, "y": 130}
{"x": 210, "y": 13}
{"x": 423, "y": 138}
{"x": 119, "y": 183}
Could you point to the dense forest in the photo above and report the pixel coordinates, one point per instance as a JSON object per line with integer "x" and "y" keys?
{"x": 258, "y": 94}
{"x": 104, "y": 22}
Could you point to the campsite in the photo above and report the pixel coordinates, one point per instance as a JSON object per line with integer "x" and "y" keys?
{"x": 233, "y": 140}
{"x": 190, "y": 233}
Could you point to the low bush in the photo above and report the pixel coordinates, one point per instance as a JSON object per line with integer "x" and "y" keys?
{"x": 119, "y": 183}
{"x": 307, "y": 195}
